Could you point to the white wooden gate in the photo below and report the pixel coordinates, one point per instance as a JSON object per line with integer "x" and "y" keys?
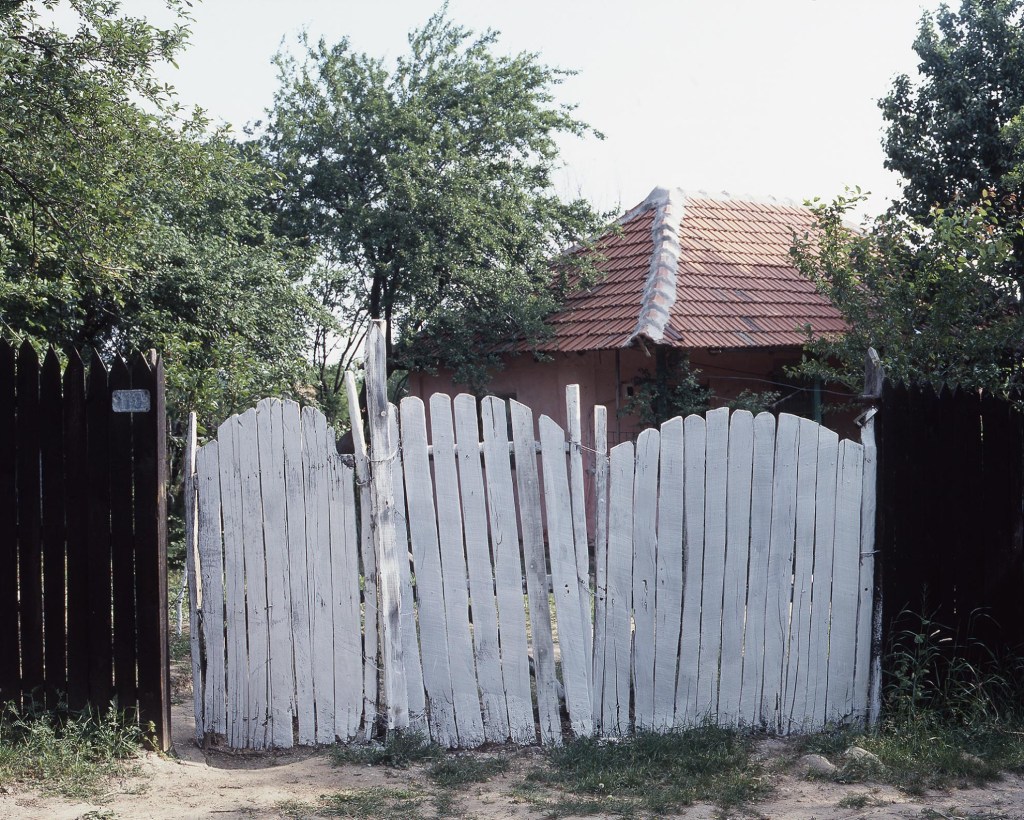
{"x": 447, "y": 580}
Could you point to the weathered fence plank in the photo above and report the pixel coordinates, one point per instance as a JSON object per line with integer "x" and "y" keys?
{"x": 867, "y": 672}
{"x": 695, "y": 438}
{"x": 528, "y": 484}
{"x": 54, "y": 533}
{"x": 615, "y": 718}
{"x": 508, "y": 572}
{"x": 566, "y": 590}
{"x": 600, "y": 555}
{"x": 30, "y": 538}
{"x": 211, "y": 563}
{"x": 237, "y": 677}
{"x": 122, "y": 540}
{"x": 437, "y": 675}
{"x": 190, "y": 499}
{"x": 579, "y": 521}
{"x": 737, "y": 552}
{"x": 10, "y": 678}
{"x": 645, "y": 544}
{"x": 669, "y": 603}
{"x": 76, "y": 474}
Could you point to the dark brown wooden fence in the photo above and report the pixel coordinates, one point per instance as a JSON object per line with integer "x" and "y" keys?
{"x": 83, "y": 538}
{"x": 951, "y": 504}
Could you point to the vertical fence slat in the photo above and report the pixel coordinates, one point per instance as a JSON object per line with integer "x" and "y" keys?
{"x": 757, "y": 573}
{"x": 694, "y": 448}
{"x": 76, "y": 475}
{"x": 368, "y": 559}
{"x": 618, "y": 628}
{"x": 122, "y": 540}
{"x": 100, "y": 638}
{"x": 737, "y": 552}
{"x": 348, "y": 649}
{"x": 716, "y": 485}
{"x": 54, "y": 557}
{"x": 149, "y": 432}
{"x": 10, "y": 669}
{"x": 211, "y": 567}
{"x": 192, "y": 578}
{"x": 528, "y": 485}
{"x": 600, "y": 556}
{"x": 645, "y": 544}
{"x": 410, "y": 637}
{"x": 382, "y": 507}
{"x": 821, "y": 593}
{"x": 298, "y": 572}
{"x": 426, "y": 550}
{"x": 845, "y": 581}
{"x": 270, "y": 441}
{"x": 237, "y": 679}
{"x": 30, "y": 547}
{"x": 481, "y": 574}
{"x": 579, "y": 521}
{"x": 780, "y": 569}
{"x": 454, "y": 572}
{"x": 318, "y": 568}
{"x": 669, "y": 603}
{"x": 508, "y": 571}
{"x": 564, "y": 578}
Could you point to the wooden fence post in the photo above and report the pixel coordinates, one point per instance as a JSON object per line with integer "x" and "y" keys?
{"x": 382, "y": 511}
{"x": 195, "y": 599}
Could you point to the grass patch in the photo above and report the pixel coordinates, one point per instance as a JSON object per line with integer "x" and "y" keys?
{"x": 74, "y": 755}
{"x": 373, "y": 802}
{"x": 462, "y": 770}
{"x": 656, "y": 773}
{"x": 398, "y": 751}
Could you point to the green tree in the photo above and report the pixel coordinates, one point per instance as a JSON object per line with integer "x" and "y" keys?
{"x": 125, "y": 223}
{"x": 424, "y": 189}
{"x": 959, "y": 129}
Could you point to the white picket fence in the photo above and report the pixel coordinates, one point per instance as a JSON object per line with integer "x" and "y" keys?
{"x": 442, "y": 580}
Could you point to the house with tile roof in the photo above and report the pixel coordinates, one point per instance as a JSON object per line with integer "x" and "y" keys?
{"x": 711, "y": 278}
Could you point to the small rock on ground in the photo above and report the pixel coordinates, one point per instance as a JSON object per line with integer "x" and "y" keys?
{"x": 816, "y": 764}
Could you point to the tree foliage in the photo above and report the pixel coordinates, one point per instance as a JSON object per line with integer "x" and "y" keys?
{"x": 960, "y": 128}
{"x": 424, "y": 188}
{"x": 124, "y": 222}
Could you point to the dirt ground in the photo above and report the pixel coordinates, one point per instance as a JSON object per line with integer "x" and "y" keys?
{"x": 197, "y": 784}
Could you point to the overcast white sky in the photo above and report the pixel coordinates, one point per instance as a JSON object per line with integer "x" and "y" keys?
{"x": 761, "y": 97}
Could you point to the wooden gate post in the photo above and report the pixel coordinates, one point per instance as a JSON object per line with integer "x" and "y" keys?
{"x": 383, "y": 451}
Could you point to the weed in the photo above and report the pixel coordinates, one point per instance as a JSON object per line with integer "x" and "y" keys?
{"x": 461, "y": 770}
{"x": 653, "y": 772}
{"x": 72, "y": 753}
{"x": 374, "y": 802}
{"x": 398, "y": 751}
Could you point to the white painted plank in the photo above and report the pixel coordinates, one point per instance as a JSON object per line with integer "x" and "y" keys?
{"x": 669, "y": 602}
{"x": 737, "y": 552}
{"x": 780, "y": 569}
{"x": 795, "y": 709}
{"x": 531, "y": 522}
{"x": 368, "y": 560}
{"x": 318, "y": 566}
{"x": 579, "y": 521}
{"x": 645, "y": 544}
{"x": 867, "y": 672}
{"x": 383, "y": 453}
{"x": 617, "y": 661}
{"x": 468, "y": 717}
{"x": 410, "y": 638}
{"x": 508, "y": 572}
{"x": 564, "y": 579}
{"x": 270, "y": 429}
{"x": 211, "y": 564}
{"x": 348, "y": 644}
{"x": 757, "y": 572}
{"x": 715, "y": 496}
{"x": 600, "y": 556}
{"x": 429, "y": 587}
{"x": 237, "y": 692}
{"x": 192, "y": 575}
{"x": 694, "y": 447}
{"x": 821, "y": 590}
{"x": 486, "y": 650}
{"x": 845, "y": 581}
{"x": 298, "y": 572}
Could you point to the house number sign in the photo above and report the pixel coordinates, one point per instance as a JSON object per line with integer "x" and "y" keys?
{"x": 130, "y": 401}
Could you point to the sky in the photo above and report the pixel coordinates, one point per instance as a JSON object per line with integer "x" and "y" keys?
{"x": 767, "y": 98}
